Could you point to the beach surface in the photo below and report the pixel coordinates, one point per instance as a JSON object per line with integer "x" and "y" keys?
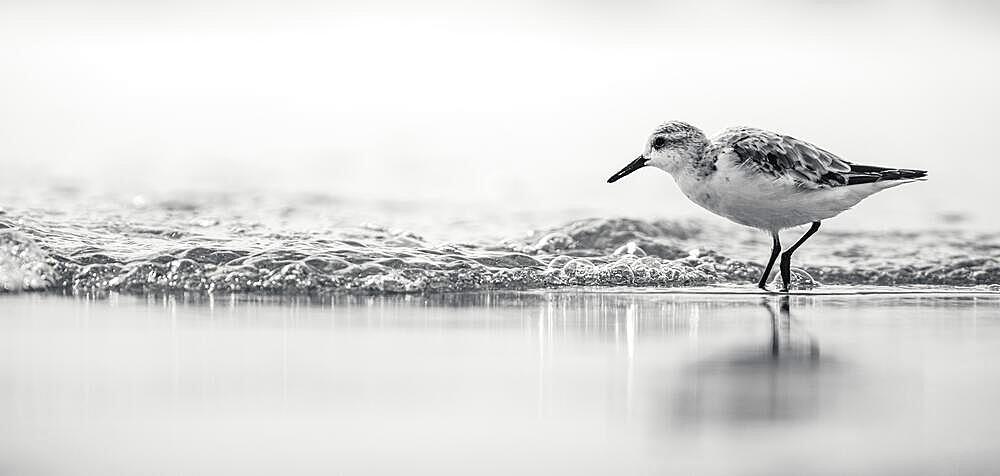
{"x": 244, "y": 334}
{"x": 574, "y": 381}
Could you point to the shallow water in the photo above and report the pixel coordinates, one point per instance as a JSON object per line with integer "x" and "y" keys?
{"x": 65, "y": 240}
{"x": 565, "y": 382}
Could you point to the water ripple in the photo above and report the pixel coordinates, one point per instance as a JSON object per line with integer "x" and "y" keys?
{"x": 180, "y": 251}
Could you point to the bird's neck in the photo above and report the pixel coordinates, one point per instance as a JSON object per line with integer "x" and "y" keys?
{"x": 695, "y": 165}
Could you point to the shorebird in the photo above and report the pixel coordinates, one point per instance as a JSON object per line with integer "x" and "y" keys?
{"x": 763, "y": 180}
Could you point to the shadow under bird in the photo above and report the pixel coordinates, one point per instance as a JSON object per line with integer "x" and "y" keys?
{"x": 763, "y": 180}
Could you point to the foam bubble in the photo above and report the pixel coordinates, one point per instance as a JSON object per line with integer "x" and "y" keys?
{"x": 23, "y": 264}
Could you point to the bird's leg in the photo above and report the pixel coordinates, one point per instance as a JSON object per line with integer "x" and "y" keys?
{"x": 786, "y": 257}
{"x": 775, "y": 249}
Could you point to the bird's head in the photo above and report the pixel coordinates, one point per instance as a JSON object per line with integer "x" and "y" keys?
{"x": 671, "y": 147}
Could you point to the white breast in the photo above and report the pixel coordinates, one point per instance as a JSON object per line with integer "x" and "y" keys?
{"x": 764, "y": 202}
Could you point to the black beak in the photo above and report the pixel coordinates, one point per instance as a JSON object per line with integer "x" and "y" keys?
{"x": 632, "y": 167}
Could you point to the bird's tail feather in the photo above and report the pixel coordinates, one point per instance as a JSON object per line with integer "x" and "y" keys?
{"x": 867, "y": 173}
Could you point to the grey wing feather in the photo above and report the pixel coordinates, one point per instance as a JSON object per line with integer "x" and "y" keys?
{"x": 785, "y": 157}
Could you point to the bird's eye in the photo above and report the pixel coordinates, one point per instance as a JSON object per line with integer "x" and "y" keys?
{"x": 659, "y": 142}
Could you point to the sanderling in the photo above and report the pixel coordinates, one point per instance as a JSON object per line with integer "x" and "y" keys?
{"x": 763, "y": 180}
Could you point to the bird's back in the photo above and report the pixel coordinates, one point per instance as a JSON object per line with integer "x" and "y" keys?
{"x": 787, "y": 158}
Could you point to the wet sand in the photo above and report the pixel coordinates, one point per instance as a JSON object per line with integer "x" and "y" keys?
{"x": 567, "y": 382}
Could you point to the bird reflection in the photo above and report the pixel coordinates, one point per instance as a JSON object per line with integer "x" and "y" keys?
{"x": 782, "y": 342}
{"x": 783, "y": 380}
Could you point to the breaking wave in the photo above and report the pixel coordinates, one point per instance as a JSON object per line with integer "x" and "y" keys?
{"x": 180, "y": 251}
